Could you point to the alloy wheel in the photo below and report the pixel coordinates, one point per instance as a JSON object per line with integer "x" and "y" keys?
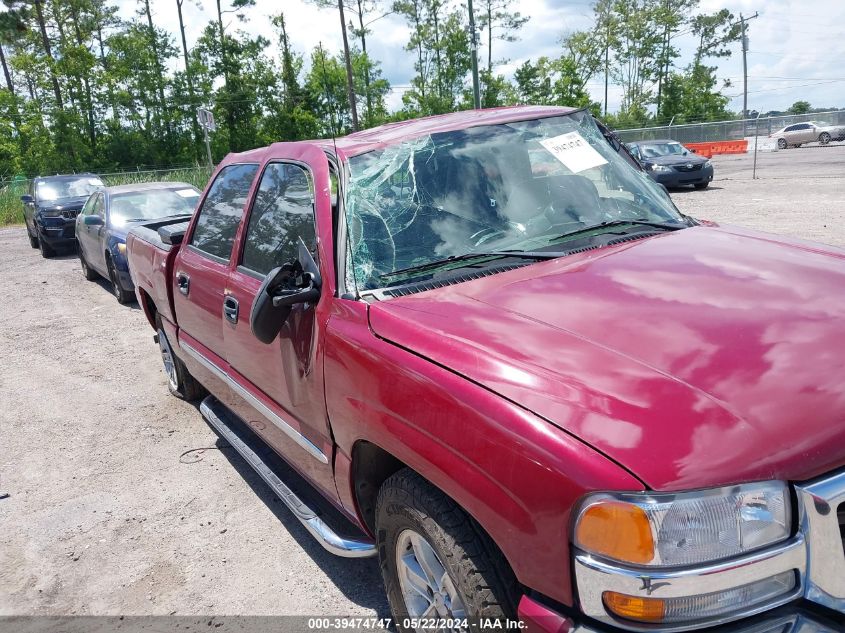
{"x": 427, "y": 588}
{"x": 168, "y": 360}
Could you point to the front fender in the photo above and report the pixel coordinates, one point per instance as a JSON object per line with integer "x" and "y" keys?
{"x": 513, "y": 472}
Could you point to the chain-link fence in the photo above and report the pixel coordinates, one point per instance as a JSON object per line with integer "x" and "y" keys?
{"x": 728, "y": 130}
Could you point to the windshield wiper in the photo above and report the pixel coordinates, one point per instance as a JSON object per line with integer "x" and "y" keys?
{"x": 470, "y": 256}
{"x": 611, "y": 223}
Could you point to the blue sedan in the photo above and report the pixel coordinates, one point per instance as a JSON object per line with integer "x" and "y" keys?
{"x": 108, "y": 215}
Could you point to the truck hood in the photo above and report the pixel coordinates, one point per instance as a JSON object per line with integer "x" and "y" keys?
{"x": 702, "y": 357}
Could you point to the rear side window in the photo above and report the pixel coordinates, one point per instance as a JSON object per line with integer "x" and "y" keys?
{"x": 222, "y": 209}
{"x": 283, "y": 212}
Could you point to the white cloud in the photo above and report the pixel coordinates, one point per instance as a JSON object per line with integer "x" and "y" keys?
{"x": 796, "y": 46}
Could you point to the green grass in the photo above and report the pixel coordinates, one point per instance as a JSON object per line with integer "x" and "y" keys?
{"x": 11, "y": 207}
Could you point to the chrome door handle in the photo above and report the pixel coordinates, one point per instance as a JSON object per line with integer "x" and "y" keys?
{"x": 230, "y": 309}
{"x": 183, "y": 281}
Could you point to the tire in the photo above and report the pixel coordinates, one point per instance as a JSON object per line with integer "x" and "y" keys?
{"x": 123, "y": 296}
{"x": 47, "y": 251}
{"x": 824, "y": 138}
{"x": 33, "y": 239}
{"x": 89, "y": 273}
{"x": 467, "y": 574}
{"x": 782, "y": 144}
{"x": 701, "y": 185}
{"x": 179, "y": 380}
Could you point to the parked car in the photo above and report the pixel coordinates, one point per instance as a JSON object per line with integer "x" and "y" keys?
{"x": 108, "y": 215}
{"x": 528, "y": 384}
{"x": 51, "y": 206}
{"x": 813, "y": 131}
{"x": 673, "y": 165}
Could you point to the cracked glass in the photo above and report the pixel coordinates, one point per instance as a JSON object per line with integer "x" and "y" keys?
{"x": 507, "y": 187}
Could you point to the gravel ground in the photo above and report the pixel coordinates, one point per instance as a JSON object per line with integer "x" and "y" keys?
{"x": 122, "y": 501}
{"x": 798, "y": 192}
{"x": 119, "y": 501}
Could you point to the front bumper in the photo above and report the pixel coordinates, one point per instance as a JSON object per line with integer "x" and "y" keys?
{"x": 815, "y": 555}
{"x": 536, "y": 617}
{"x": 57, "y": 233}
{"x": 677, "y": 178}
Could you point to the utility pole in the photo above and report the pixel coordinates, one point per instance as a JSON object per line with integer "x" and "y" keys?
{"x": 476, "y": 92}
{"x": 350, "y": 85}
{"x": 742, "y": 21}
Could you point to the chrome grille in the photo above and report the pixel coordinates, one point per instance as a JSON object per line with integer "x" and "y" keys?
{"x": 70, "y": 214}
{"x": 822, "y": 520}
{"x": 690, "y": 167}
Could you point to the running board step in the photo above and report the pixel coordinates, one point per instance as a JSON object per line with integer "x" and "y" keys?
{"x": 230, "y": 428}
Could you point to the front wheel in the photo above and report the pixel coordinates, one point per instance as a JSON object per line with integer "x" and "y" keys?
{"x": 701, "y": 185}
{"x": 782, "y": 143}
{"x": 46, "y": 250}
{"x": 435, "y": 560}
{"x": 824, "y": 138}
{"x": 33, "y": 239}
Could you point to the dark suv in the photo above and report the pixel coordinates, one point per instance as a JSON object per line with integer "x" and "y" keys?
{"x": 51, "y": 207}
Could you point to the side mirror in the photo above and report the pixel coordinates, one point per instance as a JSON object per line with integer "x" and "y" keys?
{"x": 92, "y": 220}
{"x": 692, "y": 150}
{"x": 27, "y": 199}
{"x": 284, "y": 287}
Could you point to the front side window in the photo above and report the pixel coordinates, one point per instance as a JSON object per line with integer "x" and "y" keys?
{"x": 283, "y": 212}
{"x": 222, "y": 209}
{"x": 99, "y": 206}
{"x": 61, "y": 188}
{"x": 519, "y": 186}
{"x": 89, "y": 205}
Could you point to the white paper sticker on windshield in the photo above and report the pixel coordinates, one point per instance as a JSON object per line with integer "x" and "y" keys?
{"x": 574, "y": 151}
{"x": 186, "y": 193}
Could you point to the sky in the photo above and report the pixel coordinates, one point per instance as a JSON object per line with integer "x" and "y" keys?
{"x": 796, "y": 48}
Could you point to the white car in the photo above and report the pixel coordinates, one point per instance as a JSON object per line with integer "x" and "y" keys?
{"x": 797, "y": 134}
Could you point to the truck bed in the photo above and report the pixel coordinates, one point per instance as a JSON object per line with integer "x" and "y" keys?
{"x": 151, "y": 248}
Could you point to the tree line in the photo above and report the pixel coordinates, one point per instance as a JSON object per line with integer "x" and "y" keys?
{"x": 83, "y": 88}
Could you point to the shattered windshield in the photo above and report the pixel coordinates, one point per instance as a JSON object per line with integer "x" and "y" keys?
{"x": 60, "y": 188}
{"x": 509, "y": 187}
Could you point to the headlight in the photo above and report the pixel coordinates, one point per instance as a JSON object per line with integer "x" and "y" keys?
{"x": 50, "y": 213}
{"x": 121, "y": 248}
{"x": 708, "y": 164}
{"x": 671, "y": 530}
{"x": 660, "y": 168}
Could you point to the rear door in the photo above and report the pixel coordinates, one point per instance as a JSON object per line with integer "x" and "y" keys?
{"x": 201, "y": 268}
{"x": 282, "y": 383}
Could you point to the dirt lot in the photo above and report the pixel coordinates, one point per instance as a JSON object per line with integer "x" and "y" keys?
{"x": 121, "y": 504}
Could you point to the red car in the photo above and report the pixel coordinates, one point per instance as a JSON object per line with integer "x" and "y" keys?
{"x": 502, "y": 361}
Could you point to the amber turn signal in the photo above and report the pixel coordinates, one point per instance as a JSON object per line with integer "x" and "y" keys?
{"x": 616, "y": 529}
{"x": 634, "y": 608}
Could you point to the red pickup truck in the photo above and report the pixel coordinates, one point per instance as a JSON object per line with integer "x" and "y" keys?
{"x": 499, "y": 358}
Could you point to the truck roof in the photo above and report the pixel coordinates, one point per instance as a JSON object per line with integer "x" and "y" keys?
{"x": 391, "y": 133}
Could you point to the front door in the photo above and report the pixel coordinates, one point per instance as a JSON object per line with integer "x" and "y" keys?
{"x": 88, "y": 235}
{"x": 202, "y": 268}
{"x": 284, "y": 399}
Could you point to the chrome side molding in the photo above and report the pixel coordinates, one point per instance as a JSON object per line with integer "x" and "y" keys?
{"x": 330, "y": 540}
{"x": 256, "y": 404}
